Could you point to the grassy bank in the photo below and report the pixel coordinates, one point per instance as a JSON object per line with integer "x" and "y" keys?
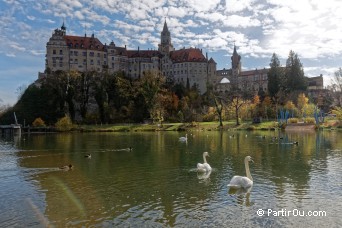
{"x": 194, "y": 126}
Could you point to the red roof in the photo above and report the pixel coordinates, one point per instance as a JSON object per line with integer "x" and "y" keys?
{"x": 142, "y": 53}
{"x": 83, "y": 42}
{"x": 188, "y": 55}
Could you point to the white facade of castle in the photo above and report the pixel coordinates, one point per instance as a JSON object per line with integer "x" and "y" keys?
{"x": 82, "y": 53}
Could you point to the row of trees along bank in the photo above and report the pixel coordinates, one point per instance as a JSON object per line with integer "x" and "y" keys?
{"x": 93, "y": 97}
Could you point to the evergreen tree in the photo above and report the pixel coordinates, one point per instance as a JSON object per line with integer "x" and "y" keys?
{"x": 294, "y": 74}
{"x": 275, "y": 76}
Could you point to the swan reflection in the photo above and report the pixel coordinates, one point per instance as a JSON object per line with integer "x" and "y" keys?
{"x": 242, "y": 195}
{"x": 204, "y": 177}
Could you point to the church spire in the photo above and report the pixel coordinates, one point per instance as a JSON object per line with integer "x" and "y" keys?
{"x": 165, "y": 29}
{"x": 165, "y": 40}
{"x": 236, "y": 66}
{"x": 63, "y": 28}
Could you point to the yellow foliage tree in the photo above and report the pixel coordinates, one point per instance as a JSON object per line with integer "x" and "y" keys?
{"x": 289, "y": 105}
{"x": 38, "y": 122}
{"x": 64, "y": 124}
{"x": 302, "y": 102}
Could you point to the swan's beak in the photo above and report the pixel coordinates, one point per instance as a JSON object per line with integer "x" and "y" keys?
{"x": 252, "y": 161}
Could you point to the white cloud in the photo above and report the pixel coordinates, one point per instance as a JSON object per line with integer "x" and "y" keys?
{"x": 238, "y": 5}
{"x": 241, "y": 21}
{"x": 199, "y": 5}
{"x": 10, "y": 55}
{"x": 17, "y": 47}
{"x": 31, "y": 18}
{"x": 258, "y": 27}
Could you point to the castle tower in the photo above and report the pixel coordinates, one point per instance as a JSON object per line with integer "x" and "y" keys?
{"x": 236, "y": 65}
{"x": 165, "y": 45}
{"x": 57, "y": 51}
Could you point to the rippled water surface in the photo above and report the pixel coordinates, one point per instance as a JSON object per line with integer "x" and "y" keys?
{"x": 156, "y": 183}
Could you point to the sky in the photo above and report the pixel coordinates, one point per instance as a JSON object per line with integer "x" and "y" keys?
{"x": 258, "y": 28}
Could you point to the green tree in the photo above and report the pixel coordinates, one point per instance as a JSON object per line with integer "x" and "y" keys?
{"x": 294, "y": 74}
{"x": 150, "y": 85}
{"x": 275, "y": 76}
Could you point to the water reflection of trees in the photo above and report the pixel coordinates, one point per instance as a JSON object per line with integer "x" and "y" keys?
{"x": 155, "y": 175}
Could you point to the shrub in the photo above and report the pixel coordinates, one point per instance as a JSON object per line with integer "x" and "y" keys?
{"x": 209, "y": 117}
{"x": 292, "y": 120}
{"x": 64, "y": 124}
{"x": 38, "y": 122}
{"x": 310, "y": 120}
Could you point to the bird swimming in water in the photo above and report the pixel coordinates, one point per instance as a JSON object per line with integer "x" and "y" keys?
{"x": 243, "y": 181}
{"x": 67, "y": 167}
{"x": 87, "y": 156}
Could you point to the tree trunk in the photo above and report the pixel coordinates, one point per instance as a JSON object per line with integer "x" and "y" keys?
{"x": 237, "y": 115}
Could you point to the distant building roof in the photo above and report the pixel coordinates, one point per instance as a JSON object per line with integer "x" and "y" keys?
{"x": 253, "y": 72}
{"x": 83, "y": 42}
{"x": 143, "y": 53}
{"x": 211, "y": 60}
{"x": 187, "y": 55}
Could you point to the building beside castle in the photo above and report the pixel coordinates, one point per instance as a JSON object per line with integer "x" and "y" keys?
{"x": 82, "y": 53}
{"x": 187, "y": 65}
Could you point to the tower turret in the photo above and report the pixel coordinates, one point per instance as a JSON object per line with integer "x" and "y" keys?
{"x": 165, "y": 40}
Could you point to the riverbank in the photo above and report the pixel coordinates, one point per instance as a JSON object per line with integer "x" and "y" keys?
{"x": 194, "y": 126}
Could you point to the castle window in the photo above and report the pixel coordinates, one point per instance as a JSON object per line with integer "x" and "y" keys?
{"x": 61, "y": 52}
{"x": 84, "y": 53}
{"x": 91, "y": 53}
{"x": 54, "y": 52}
{"x": 76, "y": 53}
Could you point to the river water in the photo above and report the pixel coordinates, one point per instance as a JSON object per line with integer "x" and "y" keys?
{"x": 156, "y": 184}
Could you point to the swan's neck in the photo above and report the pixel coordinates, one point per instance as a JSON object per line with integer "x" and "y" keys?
{"x": 248, "y": 173}
{"x": 205, "y": 160}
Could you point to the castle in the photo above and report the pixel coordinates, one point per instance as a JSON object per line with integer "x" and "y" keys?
{"x": 188, "y": 65}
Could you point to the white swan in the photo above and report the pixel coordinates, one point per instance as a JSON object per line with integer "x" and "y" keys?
{"x": 243, "y": 182}
{"x": 184, "y": 139}
{"x": 205, "y": 167}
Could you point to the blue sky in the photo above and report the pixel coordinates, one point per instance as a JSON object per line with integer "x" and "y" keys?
{"x": 311, "y": 28}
